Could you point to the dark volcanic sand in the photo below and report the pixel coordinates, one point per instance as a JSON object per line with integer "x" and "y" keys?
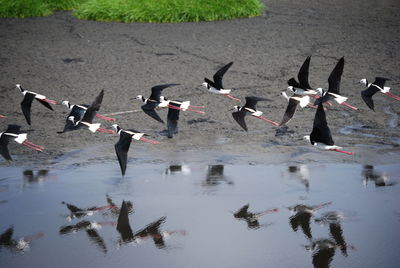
{"x": 69, "y": 59}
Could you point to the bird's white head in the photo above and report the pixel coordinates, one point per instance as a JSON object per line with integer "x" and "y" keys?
{"x": 65, "y": 103}
{"x": 236, "y": 108}
{"x": 291, "y": 89}
{"x": 283, "y": 93}
{"x": 364, "y": 81}
{"x": 19, "y": 87}
{"x": 72, "y": 119}
{"x": 115, "y": 127}
{"x": 307, "y": 138}
{"x": 206, "y": 85}
{"x": 139, "y": 97}
{"x": 320, "y": 91}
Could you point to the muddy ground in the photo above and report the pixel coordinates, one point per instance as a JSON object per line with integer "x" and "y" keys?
{"x": 69, "y": 59}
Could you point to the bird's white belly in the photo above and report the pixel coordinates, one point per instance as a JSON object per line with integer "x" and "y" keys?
{"x": 338, "y": 98}
{"x": 221, "y": 91}
{"x": 137, "y": 136}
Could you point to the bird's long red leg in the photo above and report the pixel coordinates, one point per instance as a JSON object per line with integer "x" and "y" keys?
{"x": 105, "y": 207}
{"x": 198, "y": 107}
{"x": 269, "y": 121}
{"x": 317, "y": 97}
{"x": 178, "y": 108}
{"x": 392, "y": 96}
{"x": 273, "y": 210}
{"x": 49, "y": 101}
{"x": 32, "y": 146}
{"x": 105, "y": 117}
{"x": 107, "y": 131}
{"x": 2, "y": 116}
{"x": 322, "y": 205}
{"x": 344, "y": 152}
{"x": 148, "y": 141}
{"x": 349, "y": 106}
{"x": 231, "y": 97}
{"x": 30, "y": 238}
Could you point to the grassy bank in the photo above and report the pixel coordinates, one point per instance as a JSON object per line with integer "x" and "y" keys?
{"x": 136, "y": 10}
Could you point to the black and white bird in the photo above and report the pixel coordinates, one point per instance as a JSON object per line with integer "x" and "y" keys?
{"x": 124, "y": 142}
{"x": 81, "y": 109}
{"x": 293, "y": 101}
{"x": 155, "y": 101}
{"x": 252, "y": 217}
{"x": 321, "y": 136}
{"x": 13, "y": 132}
{"x": 377, "y": 86}
{"x": 216, "y": 85}
{"x": 26, "y": 103}
{"x": 249, "y": 108}
{"x": 83, "y": 119}
{"x": 333, "y": 92}
{"x": 302, "y": 87}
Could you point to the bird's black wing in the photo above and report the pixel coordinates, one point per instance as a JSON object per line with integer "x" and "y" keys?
{"x": 5, "y": 237}
{"x": 242, "y": 212}
{"x": 46, "y": 104}
{"x": 26, "y": 105}
{"x": 97, "y": 239}
{"x": 4, "y": 148}
{"x": 122, "y": 148}
{"x": 93, "y": 108}
{"x": 251, "y": 101}
{"x": 321, "y": 132}
{"x": 290, "y": 110}
{"x": 156, "y": 91}
{"x": 239, "y": 117}
{"x": 293, "y": 83}
{"x": 77, "y": 113}
{"x": 219, "y": 74}
{"x": 335, "y": 77}
{"x": 123, "y": 226}
{"x": 303, "y": 74}
{"x": 211, "y": 83}
{"x": 367, "y": 94}
{"x": 149, "y": 109}
{"x": 337, "y": 234}
{"x": 172, "y": 119}
{"x": 14, "y": 129}
{"x": 380, "y": 81}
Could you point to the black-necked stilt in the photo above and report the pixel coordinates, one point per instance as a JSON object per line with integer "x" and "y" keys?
{"x": 293, "y": 101}
{"x": 155, "y": 101}
{"x": 333, "y": 92}
{"x": 26, "y": 103}
{"x": 76, "y": 212}
{"x": 79, "y": 118}
{"x": 321, "y": 135}
{"x": 216, "y": 85}
{"x": 250, "y": 217}
{"x": 380, "y": 179}
{"x": 303, "y": 174}
{"x": 377, "y": 86}
{"x": 249, "y": 107}
{"x": 124, "y": 142}
{"x": 81, "y": 108}
{"x": 14, "y": 132}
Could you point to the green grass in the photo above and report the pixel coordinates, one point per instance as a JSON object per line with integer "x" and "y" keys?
{"x": 136, "y": 10}
{"x": 167, "y": 10}
{"x": 34, "y": 8}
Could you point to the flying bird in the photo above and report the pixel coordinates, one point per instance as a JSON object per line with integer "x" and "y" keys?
{"x": 249, "y": 108}
{"x": 124, "y": 142}
{"x": 14, "y": 132}
{"x": 321, "y": 135}
{"x": 81, "y": 109}
{"x": 377, "y": 86}
{"x": 216, "y": 85}
{"x": 26, "y": 103}
{"x": 333, "y": 92}
{"x": 293, "y": 101}
{"x": 83, "y": 119}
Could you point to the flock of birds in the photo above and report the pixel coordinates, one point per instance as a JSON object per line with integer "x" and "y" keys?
{"x": 81, "y": 116}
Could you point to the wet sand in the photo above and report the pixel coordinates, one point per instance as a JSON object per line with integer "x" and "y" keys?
{"x": 68, "y": 59}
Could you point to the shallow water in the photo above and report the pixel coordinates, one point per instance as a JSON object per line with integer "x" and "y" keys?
{"x": 198, "y": 200}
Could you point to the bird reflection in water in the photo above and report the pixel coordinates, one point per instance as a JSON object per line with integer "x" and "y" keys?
{"x": 379, "y": 179}
{"x": 176, "y": 169}
{"x": 334, "y": 219}
{"x": 17, "y": 245}
{"x": 76, "y": 212}
{"x": 152, "y": 230}
{"x": 302, "y": 175}
{"x": 115, "y": 210}
{"x": 250, "y": 217}
{"x": 215, "y": 176}
{"x": 323, "y": 252}
{"x": 302, "y": 216}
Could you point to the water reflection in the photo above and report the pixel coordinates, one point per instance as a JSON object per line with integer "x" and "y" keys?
{"x": 76, "y": 212}
{"x": 20, "y": 244}
{"x": 323, "y": 252}
{"x": 250, "y": 217}
{"x": 379, "y": 179}
{"x": 302, "y": 216}
{"x": 152, "y": 230}
{"x": 91, "y": 228}
{"x": 176, "y": 169}
{"x": 215, "y": 176}
{"x": 302, "y": 174}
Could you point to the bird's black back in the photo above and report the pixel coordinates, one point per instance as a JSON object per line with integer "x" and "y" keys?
{"x": 380, "y": 81}
{"x": 219, "y": 74}
{"x": 251, "y": 102}
{"x": 335, "y": 77}
{"x": 156, "y": 91}
{"x": 321, "y": 132}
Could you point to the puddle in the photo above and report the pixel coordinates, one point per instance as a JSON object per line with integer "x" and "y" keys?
{"x": 200, "y": 214}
